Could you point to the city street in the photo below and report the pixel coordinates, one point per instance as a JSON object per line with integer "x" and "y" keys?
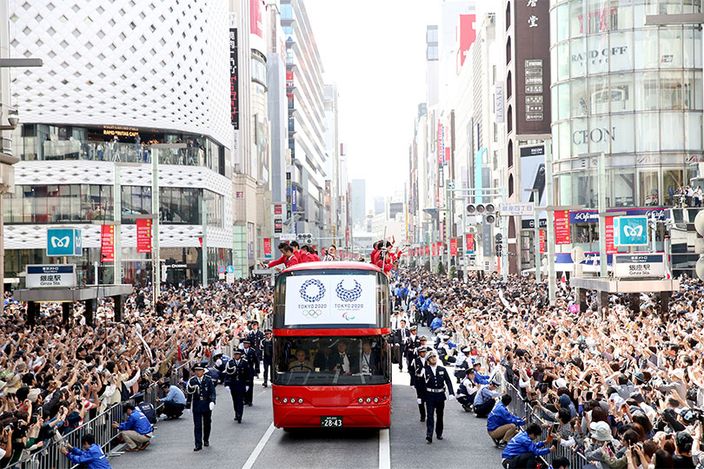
{"x": 256, "y": 444}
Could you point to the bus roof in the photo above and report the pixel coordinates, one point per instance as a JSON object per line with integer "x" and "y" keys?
{"x": 333, "y": 266}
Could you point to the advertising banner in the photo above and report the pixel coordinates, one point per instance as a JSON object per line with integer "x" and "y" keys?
{"x": 107, "y": 243}
{"x": 610, "y": 247}
{"x": 453, "y": 247}
{"x": 144, "y": 235}
{"x": 234, "y": 77}
{"x": 330, "y": 299}
{"x": 267, "y": 248}
{"x": 562, "y": 227}
{"x": 541, "y": 235}
{"x": 469, "y": 243}
{"x": 51, "y": 276}
{"x": 639, "y": 266}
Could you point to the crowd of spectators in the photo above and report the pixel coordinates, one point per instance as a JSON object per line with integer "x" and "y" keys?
{"x": 56, "y": 376}
{"x": 624, "y": 388}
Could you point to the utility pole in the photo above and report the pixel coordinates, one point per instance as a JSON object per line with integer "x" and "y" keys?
{"x": 601, "y": 205}
{"x": 550, "y": 238}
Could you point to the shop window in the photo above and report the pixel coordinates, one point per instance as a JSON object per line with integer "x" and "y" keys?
{"x": 648, "y": 188}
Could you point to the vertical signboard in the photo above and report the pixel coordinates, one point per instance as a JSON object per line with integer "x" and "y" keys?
{"x": 107, "y": 243}
{"x": 610, "y": 246}
{"x": 562, "y": 227}
{"x": 144, "y": 235}
{"x": 267, "y": 248}
{"x": 62, "y": 242}
{"x": 531, "y": 43}
{"x": 453, "y": 246}
{"x": 469, "y": 243}
{"x": 541, "y": 235}
{"x": 234, "y": 82}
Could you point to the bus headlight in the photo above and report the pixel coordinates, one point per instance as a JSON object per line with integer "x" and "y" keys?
{"x": 285, "y": 401}
{"x": 369, "y": 399}
{"x": 300, "y": 401}
{"x": 376, "y": 400}
{"x": 360, "y": 400}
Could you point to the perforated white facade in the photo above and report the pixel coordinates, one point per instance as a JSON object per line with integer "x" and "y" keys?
{"x": 144, "y": 63}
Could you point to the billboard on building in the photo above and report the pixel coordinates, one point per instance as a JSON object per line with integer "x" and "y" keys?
{"x": 467, "y": 36}
{"x": 234, "y": 82}
{"x": 531, "y": 42}
{"x": 533, "y": 174}
{"x": 255, "y": 18}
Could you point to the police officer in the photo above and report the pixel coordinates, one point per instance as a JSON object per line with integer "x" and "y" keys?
{"x": 416, "y": 369}
{"x": 410, "y": 346}
{"x": 250, "y": 356}
{"x": 401, "y": 336}
{"x": 436, "y": 383}
{"x": 255, "y": 337}
{"x": 220, "y": 360}
{"x": 237, "y": 373}
{"x": 267, "y": 355}
{"x": 202, "y": 391}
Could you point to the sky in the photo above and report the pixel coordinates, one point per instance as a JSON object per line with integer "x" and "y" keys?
{"x": 374, "y": 51}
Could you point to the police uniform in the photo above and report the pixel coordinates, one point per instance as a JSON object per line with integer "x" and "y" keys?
{"x": 268, "y": 356}
{"x": 412, "y": 343}
{"x": 415, "y": 369}
{"x": 253, "y": 361}
{"x": 436, "y": 384}
{"x": 255, "y": 338}
{"x": 202, "y": 392}
{"x": 237, "y": 374}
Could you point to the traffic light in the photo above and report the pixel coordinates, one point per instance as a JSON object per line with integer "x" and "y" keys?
{"x": 498, "y": 244}
{"x": 487, "y": 211}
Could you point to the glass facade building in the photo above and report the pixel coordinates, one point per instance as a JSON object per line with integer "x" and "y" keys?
{"x": 631, "y": 91}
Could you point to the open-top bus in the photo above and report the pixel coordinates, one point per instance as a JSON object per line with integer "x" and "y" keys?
{"x": 332, "y": 362}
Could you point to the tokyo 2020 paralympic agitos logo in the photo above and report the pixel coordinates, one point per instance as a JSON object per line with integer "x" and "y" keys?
{"x": 348, "y": 296}
{"x": 312, "y": 296}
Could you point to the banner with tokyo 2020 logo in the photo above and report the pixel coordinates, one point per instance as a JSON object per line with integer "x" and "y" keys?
{"x": 330, "y": 299}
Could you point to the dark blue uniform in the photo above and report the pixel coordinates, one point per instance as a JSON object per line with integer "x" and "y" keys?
{"x": 202, "y": 395}
{"x": 415, "y": 370}
{"x": 253, "y": 360}
{"x": 268, "y": 358}
{"x": 435, "y": 384}
{"x": 237, "y": 378}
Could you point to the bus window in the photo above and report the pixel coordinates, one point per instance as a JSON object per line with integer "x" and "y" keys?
{"x": 330, "y": 361}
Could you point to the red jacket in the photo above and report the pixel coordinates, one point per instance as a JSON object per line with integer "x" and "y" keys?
{"x": 288, "y": 262}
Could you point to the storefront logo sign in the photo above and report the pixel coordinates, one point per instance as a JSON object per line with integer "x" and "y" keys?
{"x": 581, "y": 137}
{"x": 598, "y": 56}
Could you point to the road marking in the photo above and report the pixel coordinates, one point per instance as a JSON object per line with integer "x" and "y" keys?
{"x": 384, "y": 449}
{"x": 260, "y": 446}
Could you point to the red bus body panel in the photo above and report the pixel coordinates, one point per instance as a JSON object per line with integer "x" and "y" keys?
{"x": 332, "y": 401}
{"x": 330, "y": 332}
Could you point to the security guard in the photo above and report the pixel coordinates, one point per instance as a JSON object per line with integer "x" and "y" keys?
{"x": 237, "y": 379}
{"x": 267, "y": 355}
{"x": 436, "y": 383}
{"x": 255, "y": 337}
{"x": 202, "y": 391}
{"x": 415, "y": 369}
{"x": 250, "y": 355}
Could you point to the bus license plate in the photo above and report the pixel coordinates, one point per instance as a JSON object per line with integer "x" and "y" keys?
{"x": 331, "y": 422}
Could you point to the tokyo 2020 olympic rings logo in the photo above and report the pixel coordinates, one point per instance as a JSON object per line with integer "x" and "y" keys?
{"x": 349, "y": 296}
{"x": 317, "y": 294}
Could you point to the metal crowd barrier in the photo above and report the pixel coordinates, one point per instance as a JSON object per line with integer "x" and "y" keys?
{"x": 100, "y": 426}
{"x": 522, "y": 408}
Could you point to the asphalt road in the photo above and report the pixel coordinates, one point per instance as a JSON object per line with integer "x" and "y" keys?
{"x": 257, "y": 444}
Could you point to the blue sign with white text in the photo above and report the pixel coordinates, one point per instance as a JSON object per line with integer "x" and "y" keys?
{"x": 63, "y": 242}
{"x": 631, "y": 231}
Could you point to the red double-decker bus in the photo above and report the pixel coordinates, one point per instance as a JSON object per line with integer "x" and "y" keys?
{"x": 332, "y": 362}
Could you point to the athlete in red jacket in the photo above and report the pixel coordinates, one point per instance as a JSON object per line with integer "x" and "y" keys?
{"x": 288, "y": 258}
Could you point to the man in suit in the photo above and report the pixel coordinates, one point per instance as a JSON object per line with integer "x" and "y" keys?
{"x": 342, "y": 361}
{"x": 436, "y": 383}
{"x": 202, "y": 391}
{"x": 267, "y": 355}
{"x": 400, "y": 336}
{"x": 369, "y": 360}
{"x": 237, "y": 372}
{"x": 250, "y": 356}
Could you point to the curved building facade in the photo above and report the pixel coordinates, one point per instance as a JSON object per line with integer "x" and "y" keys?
{"x": 118, "y": 77}
{"x": 631, "y": 91}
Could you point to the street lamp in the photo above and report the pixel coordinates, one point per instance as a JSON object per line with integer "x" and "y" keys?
{"x": 536, "y": 234}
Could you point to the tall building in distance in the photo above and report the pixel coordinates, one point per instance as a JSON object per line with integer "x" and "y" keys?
{"x": 117, "y": 77}
{"x": 358, "y": 204}
{"x": 306, "y": 123}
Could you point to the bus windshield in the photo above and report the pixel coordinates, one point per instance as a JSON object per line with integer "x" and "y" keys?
{"x": 331, "y": 361}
